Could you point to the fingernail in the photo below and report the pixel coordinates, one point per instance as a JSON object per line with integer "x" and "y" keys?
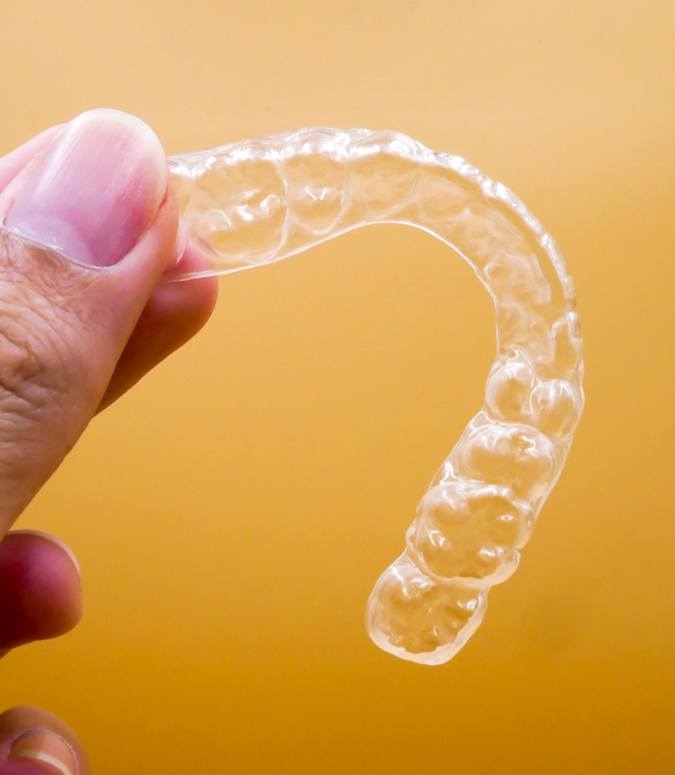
{"x": 46, "y": 747}
{"x": 93, "y": 192}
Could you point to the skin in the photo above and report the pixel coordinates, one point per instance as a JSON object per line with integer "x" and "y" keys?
{"x": 73, "y": 339}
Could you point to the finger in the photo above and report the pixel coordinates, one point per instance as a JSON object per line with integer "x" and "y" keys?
{"x": 35, "y": 742}
{"x": 40, "y": 588}
{"x": 175, "y": 313}
{"x": 98, "y": 194}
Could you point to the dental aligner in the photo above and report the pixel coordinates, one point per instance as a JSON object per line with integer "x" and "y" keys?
{"x": 255, "y": 202}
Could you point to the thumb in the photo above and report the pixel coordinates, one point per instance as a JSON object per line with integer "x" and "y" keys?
{"x": 98, "y": 195}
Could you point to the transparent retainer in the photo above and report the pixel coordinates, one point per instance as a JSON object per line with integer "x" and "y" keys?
{"x": 254, "y": 202}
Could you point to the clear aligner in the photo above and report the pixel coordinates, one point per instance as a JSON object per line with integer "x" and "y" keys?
{"x": 254, "y": 202}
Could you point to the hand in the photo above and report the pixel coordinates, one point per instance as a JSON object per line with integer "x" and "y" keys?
{"x": 74, "y": 337}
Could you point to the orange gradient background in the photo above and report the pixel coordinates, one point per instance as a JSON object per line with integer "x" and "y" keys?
{"x": 231, "y": 514}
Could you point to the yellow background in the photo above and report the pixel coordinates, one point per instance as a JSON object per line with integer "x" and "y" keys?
{"x": 232, "y": 513}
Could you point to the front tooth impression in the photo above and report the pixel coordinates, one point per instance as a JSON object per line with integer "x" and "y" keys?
{"x": 255, "y": 202}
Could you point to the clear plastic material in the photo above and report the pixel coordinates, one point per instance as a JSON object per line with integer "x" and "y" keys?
{"x": 254, "y": 202}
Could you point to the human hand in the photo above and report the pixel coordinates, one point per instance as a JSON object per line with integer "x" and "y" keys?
{"x": 73, "y": 338}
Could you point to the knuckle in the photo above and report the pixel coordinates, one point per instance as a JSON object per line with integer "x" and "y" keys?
{"x": 39, "y": 319}
{"x": 46, "y": 389}
{"x": 34, "y": 358}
